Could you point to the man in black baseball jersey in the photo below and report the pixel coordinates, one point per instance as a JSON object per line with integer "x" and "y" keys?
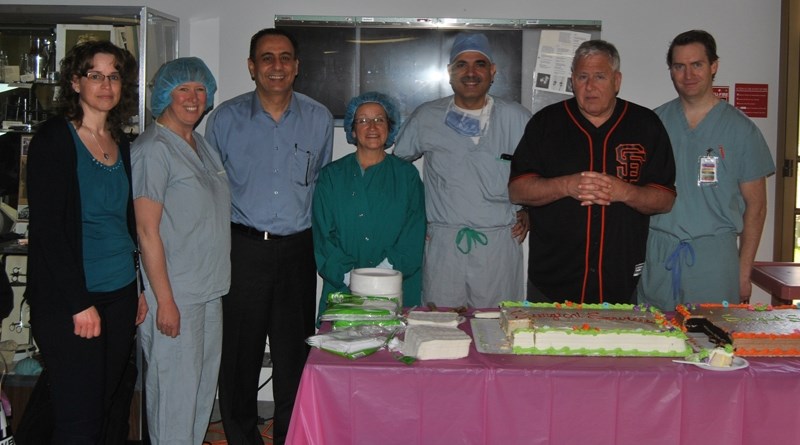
{"x": 591, "y": 169}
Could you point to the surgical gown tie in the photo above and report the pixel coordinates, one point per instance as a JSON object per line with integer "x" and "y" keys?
{"x": 469, "y": 237}
{"x": 673, "y": 264}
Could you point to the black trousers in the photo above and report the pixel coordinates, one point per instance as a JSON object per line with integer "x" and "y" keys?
{"x": 85, "y": 374}
{"x": 272, "y": 294}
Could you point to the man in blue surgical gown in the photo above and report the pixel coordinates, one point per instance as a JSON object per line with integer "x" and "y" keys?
{"x": 473, "y": 255}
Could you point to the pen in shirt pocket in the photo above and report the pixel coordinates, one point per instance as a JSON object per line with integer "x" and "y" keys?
{"x": 506, "y": 157}
{"x": 308, "y": 161}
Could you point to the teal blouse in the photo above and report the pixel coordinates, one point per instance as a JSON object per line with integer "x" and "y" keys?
{"x": 107, "y": 244}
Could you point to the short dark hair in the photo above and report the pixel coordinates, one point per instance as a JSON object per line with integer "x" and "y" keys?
{"x": 271, "y": 32}
{"x": 78, "y": 62}
{"x": 694, "y": 36}
{"x": 592, "y": 47}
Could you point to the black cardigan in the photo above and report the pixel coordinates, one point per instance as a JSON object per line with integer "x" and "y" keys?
{"x": 55, "y": 251}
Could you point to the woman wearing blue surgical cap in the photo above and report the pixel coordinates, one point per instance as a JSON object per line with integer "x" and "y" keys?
{"x": 182, "y": 204}
{"x": 369, "y": 207}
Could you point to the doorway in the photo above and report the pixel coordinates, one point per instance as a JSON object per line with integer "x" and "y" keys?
{"x": 787, "y": 196}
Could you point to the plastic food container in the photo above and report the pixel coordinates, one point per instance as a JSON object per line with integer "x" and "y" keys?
{"x": 377, "y": 283}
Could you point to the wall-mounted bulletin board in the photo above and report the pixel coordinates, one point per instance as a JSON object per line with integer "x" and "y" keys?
{"x": 341, "y": 57}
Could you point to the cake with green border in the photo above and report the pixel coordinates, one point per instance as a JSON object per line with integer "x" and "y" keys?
{"x": 590, "y": 329}
{"x": 754, "y": 330}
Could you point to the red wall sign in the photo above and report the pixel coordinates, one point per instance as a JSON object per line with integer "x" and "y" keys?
{"x": 722, "y": 93}
{"x": 751, "y": 98}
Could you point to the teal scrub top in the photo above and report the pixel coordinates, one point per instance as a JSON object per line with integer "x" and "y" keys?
{"x": 358, "y": 220}
{"x": 743, "y": 156}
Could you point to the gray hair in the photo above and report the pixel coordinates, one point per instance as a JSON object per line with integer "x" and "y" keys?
{"x": 594, "y": 47}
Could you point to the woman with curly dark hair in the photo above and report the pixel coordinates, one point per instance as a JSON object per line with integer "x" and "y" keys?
{"x": 81, "y": 266}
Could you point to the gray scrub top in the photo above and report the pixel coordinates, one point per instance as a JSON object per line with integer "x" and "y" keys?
{"x": 195, "y": 224}
{"x": 465, "y": 184}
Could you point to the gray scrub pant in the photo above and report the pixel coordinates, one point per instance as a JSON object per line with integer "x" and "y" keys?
{"x": 481, "y": 278}
{"x": 181, "y": 376}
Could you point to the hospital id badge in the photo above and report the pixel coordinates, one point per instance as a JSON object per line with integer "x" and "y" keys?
{"x": 707, "y": 174}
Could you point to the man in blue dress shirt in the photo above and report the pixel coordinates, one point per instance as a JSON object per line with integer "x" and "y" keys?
{"x": 272, "y": 141}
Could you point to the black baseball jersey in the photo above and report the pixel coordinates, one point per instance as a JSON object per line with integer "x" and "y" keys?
{"x": 594, "y": 253}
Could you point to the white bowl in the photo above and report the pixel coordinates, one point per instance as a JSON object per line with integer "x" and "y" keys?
{"x": 376, "y": 282}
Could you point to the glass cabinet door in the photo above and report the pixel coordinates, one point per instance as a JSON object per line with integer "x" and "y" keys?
{"x": 159, "y": 34}
{"x": 152, "y": 36}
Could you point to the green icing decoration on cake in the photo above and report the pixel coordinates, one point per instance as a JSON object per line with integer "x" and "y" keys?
{"x": 570, "y": 305}
{"x": 663, "y": 330}
{"x": 603, "y": 352}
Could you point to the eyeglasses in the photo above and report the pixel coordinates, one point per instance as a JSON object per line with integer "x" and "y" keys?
{"x": 96, "y": 77}
{"x": 364, "y": 121}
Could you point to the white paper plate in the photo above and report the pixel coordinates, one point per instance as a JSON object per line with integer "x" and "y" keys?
{"x": 376, "y": 282}
{"x": 738, "y": 363}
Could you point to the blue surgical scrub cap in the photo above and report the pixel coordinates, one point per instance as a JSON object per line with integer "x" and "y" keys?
{"x": 372, "y": 97}
{"x": 471, "y": 42}
{"x": 175, "y": 73}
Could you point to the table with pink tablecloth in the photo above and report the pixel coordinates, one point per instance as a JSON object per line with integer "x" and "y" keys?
{"x": 512, "y": 399}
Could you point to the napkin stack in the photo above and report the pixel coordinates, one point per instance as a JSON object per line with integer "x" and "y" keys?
{"x": 436, "y": 342}
{"x": 353, "y": 342}
{"x": 443, "y": 319}
{"x": 346, "y": 344}
{"x": 346, "y": 310}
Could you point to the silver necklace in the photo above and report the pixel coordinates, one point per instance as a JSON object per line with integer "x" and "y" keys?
{"x": 106, "y": 156}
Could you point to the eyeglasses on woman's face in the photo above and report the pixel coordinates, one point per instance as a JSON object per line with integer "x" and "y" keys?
{"x": 364, "y": 121}
{"x": 97, "y": 77}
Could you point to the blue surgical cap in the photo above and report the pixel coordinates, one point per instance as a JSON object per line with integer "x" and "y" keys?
{"x": 175, "y": 73}
{"x": 372, "y": 97}
{"x": 471, "y": 42}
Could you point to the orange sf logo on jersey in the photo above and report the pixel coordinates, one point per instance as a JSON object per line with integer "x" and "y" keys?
{"x": 630, "y": 161}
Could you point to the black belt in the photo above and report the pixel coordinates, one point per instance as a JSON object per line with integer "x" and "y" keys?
{"x": 258, "y": 234}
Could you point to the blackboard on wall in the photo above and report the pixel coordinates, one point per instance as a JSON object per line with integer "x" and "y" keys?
{"x": 341, "y": 57}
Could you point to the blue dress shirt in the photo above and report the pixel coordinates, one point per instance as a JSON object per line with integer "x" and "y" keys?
{"x": 272, "y": 166}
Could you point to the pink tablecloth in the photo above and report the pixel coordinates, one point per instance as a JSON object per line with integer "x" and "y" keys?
{"x": 508, "y": 399}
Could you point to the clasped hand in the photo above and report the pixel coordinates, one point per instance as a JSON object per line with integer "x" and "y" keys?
{"x": 597, "y": 188}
